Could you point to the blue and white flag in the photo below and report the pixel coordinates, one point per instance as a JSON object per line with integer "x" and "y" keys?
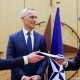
{"x": 56, "y": 71}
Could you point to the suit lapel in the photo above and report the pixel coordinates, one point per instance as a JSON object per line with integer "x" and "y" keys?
{"x": 22, "y": 41}
{"x": 36, "y": 41}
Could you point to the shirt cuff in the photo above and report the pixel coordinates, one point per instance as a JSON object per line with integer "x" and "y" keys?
{"x": 25, "y": 59}
{"x": 66, "y": 64}
{"x": 23, "y": 77}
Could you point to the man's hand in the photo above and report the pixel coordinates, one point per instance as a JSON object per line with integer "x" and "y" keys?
{"x": 34, "y": 57}
{"x": 27, "y": 78}
{"x": 61, "y": 61}
{"x": 35, "y": 77}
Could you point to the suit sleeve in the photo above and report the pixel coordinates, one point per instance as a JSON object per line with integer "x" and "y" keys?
{"x": 11, "y": 63}
{"x": 74, "y": 65}
{"x": 44, "y": 63}
{"x": 11, "y": 54}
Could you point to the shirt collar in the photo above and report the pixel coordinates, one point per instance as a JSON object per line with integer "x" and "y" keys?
{"x": 26, "y": 31}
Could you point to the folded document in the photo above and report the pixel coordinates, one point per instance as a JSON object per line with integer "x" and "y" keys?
{"x": 51, "y": 55}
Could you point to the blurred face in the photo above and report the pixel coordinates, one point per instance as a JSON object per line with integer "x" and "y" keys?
{"x": 30, "y": 20}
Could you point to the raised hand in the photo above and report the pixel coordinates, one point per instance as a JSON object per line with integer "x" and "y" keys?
{"x": 61, "y": 61}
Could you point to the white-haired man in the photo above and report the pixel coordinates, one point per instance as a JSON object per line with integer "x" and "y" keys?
{"x": 24, "y": 42}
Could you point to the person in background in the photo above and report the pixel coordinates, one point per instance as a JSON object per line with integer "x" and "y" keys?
{"x": 21, "y": 61}
{"x": 24, "y": 42}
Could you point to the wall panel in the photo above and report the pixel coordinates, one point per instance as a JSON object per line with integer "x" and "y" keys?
{"x": 79, "y": 18}
{"x": 9, "y": 19}
{"x": 9, "y": 23}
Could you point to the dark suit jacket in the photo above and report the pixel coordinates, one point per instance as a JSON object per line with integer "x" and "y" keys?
{"x": 11, "y": 63}
{"x": 17, "y": 47}
{"x": 74, "y": 65}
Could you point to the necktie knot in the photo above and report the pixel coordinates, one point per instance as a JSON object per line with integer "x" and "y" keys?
{"x": 28, "y": 33}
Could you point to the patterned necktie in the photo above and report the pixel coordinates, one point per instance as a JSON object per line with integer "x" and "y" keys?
{"x": 29, "y": 43}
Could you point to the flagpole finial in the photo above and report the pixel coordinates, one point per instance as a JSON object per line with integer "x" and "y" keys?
{"x": 58, "y": 2}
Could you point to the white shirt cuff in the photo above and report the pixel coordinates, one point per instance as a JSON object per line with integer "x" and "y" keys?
{"x": 66, "y": 64}
{"x": 25, "y": 59}
{"x": 22, "y": 77}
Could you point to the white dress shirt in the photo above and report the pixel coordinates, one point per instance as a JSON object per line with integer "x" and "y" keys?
{"x": 25, "y": 59}
{"x": 26, "y": 36}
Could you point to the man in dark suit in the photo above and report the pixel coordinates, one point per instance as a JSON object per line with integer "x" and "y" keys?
{"x": 70, "y": 64}
{"x": 20, "y": 62}
{"x": 24, "y": 42}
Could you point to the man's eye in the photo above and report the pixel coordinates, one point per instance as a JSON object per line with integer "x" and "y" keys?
{"x": 33, "y": 17}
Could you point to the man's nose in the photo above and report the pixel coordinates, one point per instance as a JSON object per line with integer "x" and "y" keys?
{"x": 35, "y": 20}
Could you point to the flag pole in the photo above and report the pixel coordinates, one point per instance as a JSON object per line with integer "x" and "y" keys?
{"x": 58, "y": 3}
